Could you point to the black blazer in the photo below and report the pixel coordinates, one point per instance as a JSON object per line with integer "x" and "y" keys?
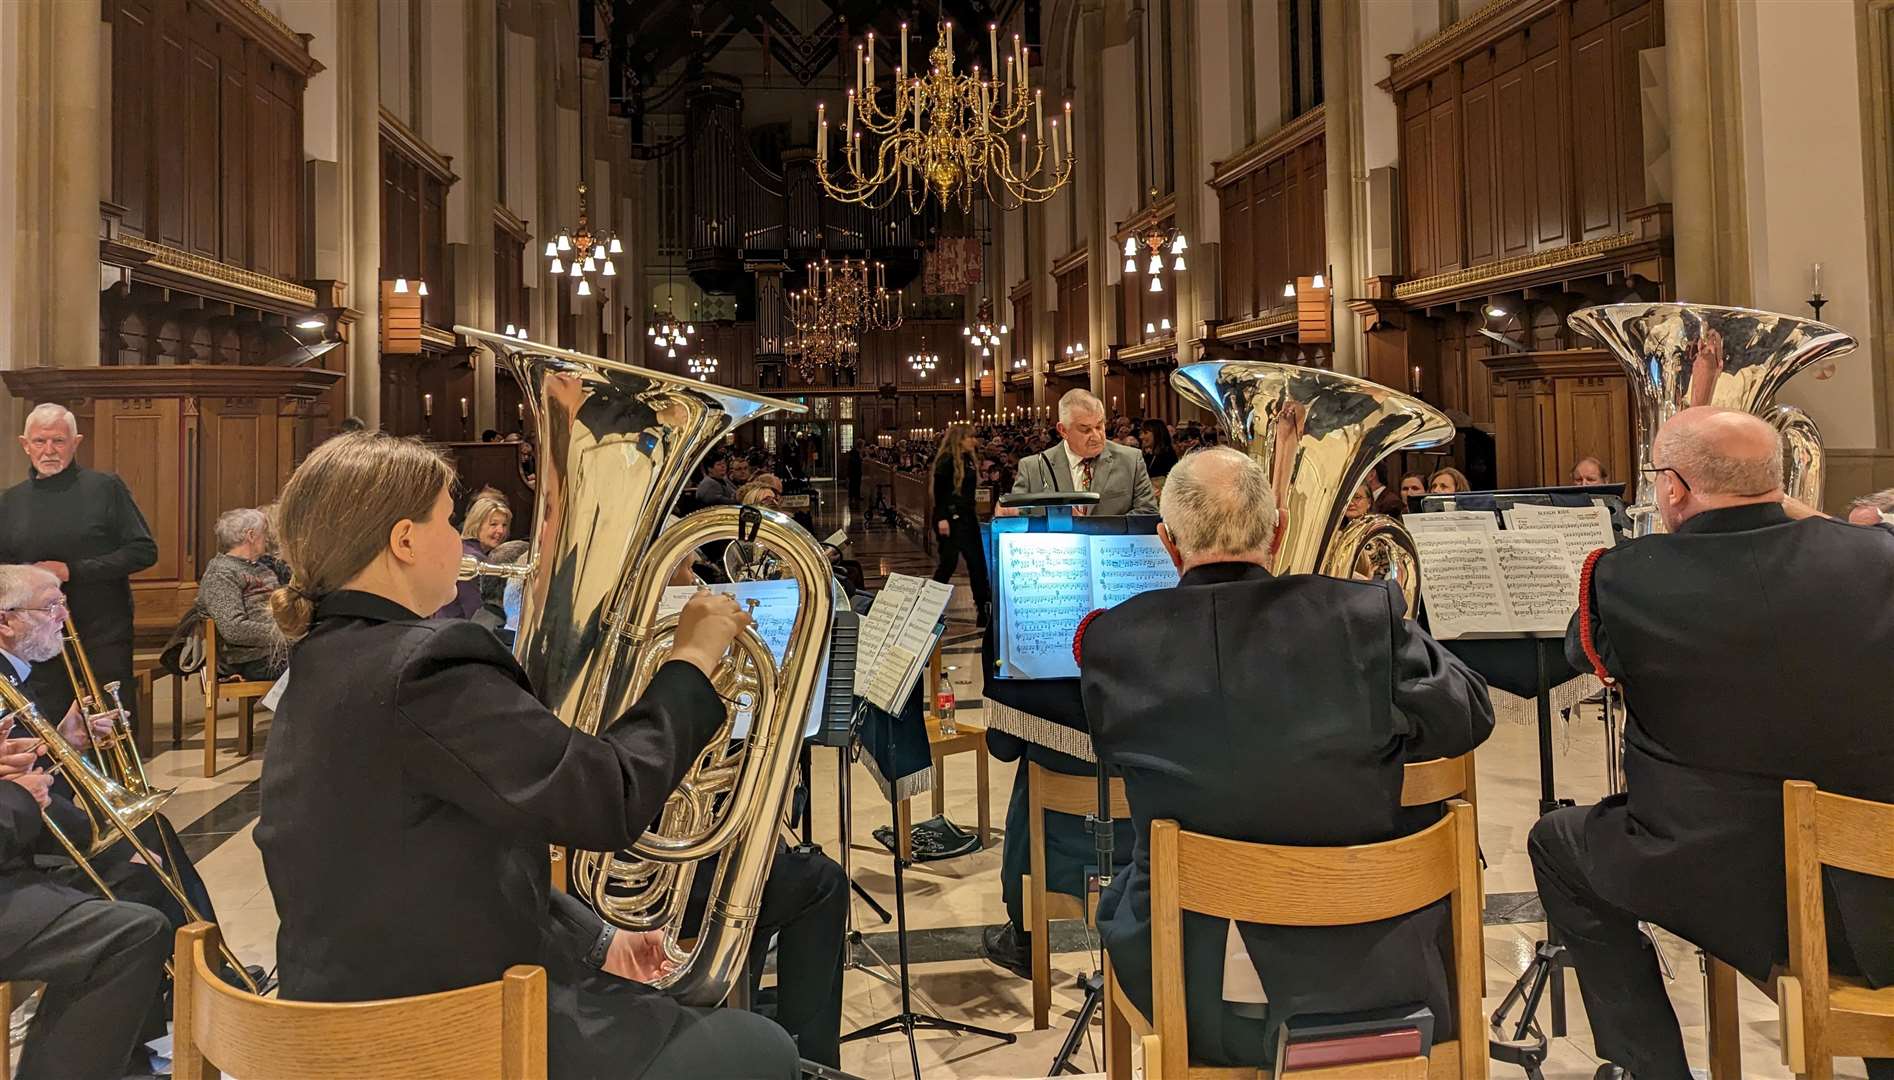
{"x": 1753, "y": 649}
{"x": 1275, "y": 710}
{"x": 29, "y": 900}
{"x": 411, "y": 788}
{"x": 956, "y": 508}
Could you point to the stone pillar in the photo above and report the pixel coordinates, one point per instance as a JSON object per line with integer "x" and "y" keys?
{"x": 473, "y": 298}
{"x": 361, "y": 122}
{"x": 1709, "y": 236}
{"x": 78, "y": 120}
{"x": 1091, "y": 193}
{"x": 1341, "y": 108}
{"x": 1193, "y": 296}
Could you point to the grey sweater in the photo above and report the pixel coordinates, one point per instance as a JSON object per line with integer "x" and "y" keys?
{"x": 236, "y": 594}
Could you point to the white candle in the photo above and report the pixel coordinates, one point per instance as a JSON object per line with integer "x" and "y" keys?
{"x": 850, "y": 122}
{"x": 463, "y": 408}
{"x": 1055, "y": 144}
{"x": 1019, "y": 55}
{"x": 1068, "y": 129}
{"x": 822, "y": 133}
{"x": 902, "y": 71}
{"x": 1038, "y": 118}
{"x": 984, "y": 107}
{"x": 1010, "y": 95}
{"x": 993, "y": 45}
{"x": 1815, "y": 280}
{"x": 871, "y": 62}
{"x": 858, "y": 67}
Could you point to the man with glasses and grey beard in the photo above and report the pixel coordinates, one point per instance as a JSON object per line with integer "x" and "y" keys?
{"x": 1751, "y": 642}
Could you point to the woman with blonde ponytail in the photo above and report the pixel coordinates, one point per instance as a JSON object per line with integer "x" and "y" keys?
{"x": 413, "y": 784}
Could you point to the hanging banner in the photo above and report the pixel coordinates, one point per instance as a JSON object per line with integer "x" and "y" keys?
{"x": 953, "y": 266}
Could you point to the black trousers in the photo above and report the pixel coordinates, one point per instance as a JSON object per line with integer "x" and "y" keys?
{"x": 259, "y": 670}
{"x": 959, "y": 543}
{"x": 805, "y": 905}
{"x": 723, "y": 1043}
{"x": 101, "y": 963}
{"x": 1632, "y": 1022}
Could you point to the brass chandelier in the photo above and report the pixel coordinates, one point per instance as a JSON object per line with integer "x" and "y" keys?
{"x": 946, "y": 133}
{"x": 843, "y": 300}
{"x": 580, "y": 255}
{"x": 987, "y": 331}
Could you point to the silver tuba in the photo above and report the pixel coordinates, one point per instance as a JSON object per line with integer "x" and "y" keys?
{"x": 616, "y": 445}
{"x": 1317, "y": 433}
{"x": 1679, "y": 355}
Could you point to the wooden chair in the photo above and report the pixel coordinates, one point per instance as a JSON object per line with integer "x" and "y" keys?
{"x": 244, "y": 693}
{"x": 1827, "y": 1016}
{"x": 496, "y": 1029}
{"x": 1438, "y": 780}
{"x": 1305, "y": 886}
{"x": 1062, "y": 793}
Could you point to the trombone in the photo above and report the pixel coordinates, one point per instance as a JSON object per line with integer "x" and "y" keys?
{"x": 116, "y": 812}
{"x": 117, "y": 753}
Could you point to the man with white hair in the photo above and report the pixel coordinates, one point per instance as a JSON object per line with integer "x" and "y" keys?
{"x": 1751, "y": 645}
{"x": 1085, "y": 460}
{"x": 84, "y": 528}
{"x": 1271, "y": 710}
{"x": 1872, "y": 509}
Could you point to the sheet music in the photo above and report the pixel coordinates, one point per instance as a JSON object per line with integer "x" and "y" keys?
{"x": 893, "y": 604}
{"x": 1473, "y": 521}
{"x": 1582, "y": 529}
{"x": 885, "y": 681}
{"x": 1127, "y": 566}
{"x": 775, "y": 615}
{"x": 1460, "y": 582}
{"x": 1047, "y": 589}
{"x": 1541, "y": 587}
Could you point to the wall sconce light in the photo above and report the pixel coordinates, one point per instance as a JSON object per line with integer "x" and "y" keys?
{"x": 401, "y": 285}
{"x": 427, "y": 406}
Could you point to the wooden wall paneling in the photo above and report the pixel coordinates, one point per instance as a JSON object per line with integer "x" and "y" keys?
{"x": 1312, "y": 223}
{"x": 238, "y": 455}
{"x": 136, "y": 438}
{"x": 1417, "y": 157}
{"x": 1552, "y": 145}
{"x": 1594, "y": 419}
{"x": 1443, "y": 120}
{"x": 1594, "y": 131}
{"x": 1479, "y": 132}
{"x": 204, "y": 83}
{"x": 134, "y": 50}
{"x": 1272, "y": 235}
{"x": 236, "y": 135}
{"x": 171, "y": 121}
{"x": 1514, "y": 162}
{"x": 1631, "y": 33}
{"x": 1238, "y": 292}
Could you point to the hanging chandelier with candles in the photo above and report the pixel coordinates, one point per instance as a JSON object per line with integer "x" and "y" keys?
{"x": 668, "y": 332}
{"x": 702, "y": 366}
{"x": 843, "y": 300}
{"x": 924, "y": 362}
{"x": 1151, "y": 244}
{"x": 582, "y": 255}
{"x": 946, "y": 133}
{"x": 986, "y": 332}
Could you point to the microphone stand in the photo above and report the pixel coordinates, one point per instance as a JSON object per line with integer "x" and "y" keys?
{"x": 1101, "y": 825}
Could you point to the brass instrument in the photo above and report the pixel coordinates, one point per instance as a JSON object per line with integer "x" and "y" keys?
{"x": 116, "y": 812}
{"x": 1318, "y": 433}
{"x": 117, "y": 753}
{"x": 617, "y": 444}
{"x": 1679, "y": 355}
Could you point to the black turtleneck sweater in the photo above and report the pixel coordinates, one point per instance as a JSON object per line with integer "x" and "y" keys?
{"x": 88, "y": 521}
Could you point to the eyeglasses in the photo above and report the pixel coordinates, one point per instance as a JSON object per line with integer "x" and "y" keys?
{"x": 1653, "y": 470}
{"x": 56, "y": 608}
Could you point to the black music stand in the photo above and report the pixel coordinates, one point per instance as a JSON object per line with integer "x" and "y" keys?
{"x": 907, "y": 1021}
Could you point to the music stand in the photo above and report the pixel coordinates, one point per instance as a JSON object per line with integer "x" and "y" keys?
{"x": 907, "y": 1021}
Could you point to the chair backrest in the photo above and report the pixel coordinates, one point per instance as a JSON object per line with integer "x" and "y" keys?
{"x": 1070, "y": 793}
{"x": 1437, "y": 780}
{"x": 1313, "y": 886}
{"x": 496, "y": 1029}
{"x": 1824, "y": 829}
{"x": 209, "y": 671}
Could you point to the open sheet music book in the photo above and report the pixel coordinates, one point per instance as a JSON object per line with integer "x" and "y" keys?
{"x": 897, "y": 637}
{"x": 1478, "y": 581}
{"x": 1048, "y": 582}
{"x": 774, "y": 611}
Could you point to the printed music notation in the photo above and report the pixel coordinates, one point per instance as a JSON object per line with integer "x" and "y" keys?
{"x": 897, "y": 638}
{"x": 774, "y": 611}
{"x": 1048, "y": 582}
{"x": 1582, "y": 529}
{"x": 1484, "y": 582}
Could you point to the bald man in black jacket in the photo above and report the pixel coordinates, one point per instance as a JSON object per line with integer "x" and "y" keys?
{"x": 1752, "y": 643}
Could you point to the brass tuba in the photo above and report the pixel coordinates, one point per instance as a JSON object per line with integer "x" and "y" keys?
{"x": 1679, "y": 355}
{"x": 616, "y": 445}
{"x": 1317, "y": 433}
{"x": 115, "y": 812}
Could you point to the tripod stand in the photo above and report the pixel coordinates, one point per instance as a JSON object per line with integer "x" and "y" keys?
{"x": 852, "y": 938}
{"x": 1094, "y": 984}
{"x": 907, "y": 1021}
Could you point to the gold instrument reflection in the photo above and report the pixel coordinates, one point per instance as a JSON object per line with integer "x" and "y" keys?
{"x": 1317, "y": 434}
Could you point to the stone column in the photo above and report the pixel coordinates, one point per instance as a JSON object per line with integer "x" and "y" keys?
{"x": 473, "y": 298}
{"x": 1091, "y": 193}
{"x": 1192, "y": 297}
{"x": 1341, "y": 107}
{"x": 78, "y": 120}
{"x": 361, "y": 140}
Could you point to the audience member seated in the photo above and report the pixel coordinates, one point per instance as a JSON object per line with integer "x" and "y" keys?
{"x": 235, "y": 593}
{"x": 1413, "y": 486}
{"x": 715, "y": 489}
{"x": 1751, "y": 646}
{"x": 493, "y": 613}
{"x": 1874, "y": 509}
{"x": 488, "y": 523}
{"x": 757, "y": 493}
{"x": 1306, "y": 694}
{"x": 1588, "y": 471}
{"x": 1448, "y": 481}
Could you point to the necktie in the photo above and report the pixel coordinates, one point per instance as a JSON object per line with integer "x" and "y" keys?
{"x": 1085, "y": 474}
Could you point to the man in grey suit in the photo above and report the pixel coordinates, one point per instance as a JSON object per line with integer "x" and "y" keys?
{"x": 1085, "y": 460}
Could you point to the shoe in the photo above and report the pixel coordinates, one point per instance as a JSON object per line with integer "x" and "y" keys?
{"x": 1009, "y": 947}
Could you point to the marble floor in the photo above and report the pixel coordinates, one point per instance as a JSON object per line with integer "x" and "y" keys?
{"x": 948, "y": 902}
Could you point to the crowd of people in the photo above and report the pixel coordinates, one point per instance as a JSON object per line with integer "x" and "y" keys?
{"x": 394, "y": 664}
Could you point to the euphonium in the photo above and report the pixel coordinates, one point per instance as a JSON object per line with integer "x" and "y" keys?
{"x": 1317, "y": 434}
{"x": 616, "y": 445}
{"x": 117, "y": 752}
{"x": 1679, "y": 355}
{"x": 116, "y": 813}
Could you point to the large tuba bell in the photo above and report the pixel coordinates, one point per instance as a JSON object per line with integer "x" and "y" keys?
{"x": 1317, "y": 434}
{"x": 617, "y": 444}
{"x": 1679, "y": 355}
